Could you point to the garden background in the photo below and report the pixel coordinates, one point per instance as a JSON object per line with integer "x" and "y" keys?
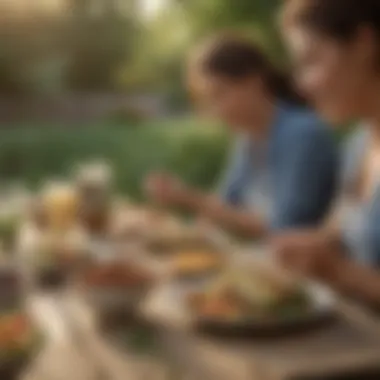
{"x": 89, "y": 79}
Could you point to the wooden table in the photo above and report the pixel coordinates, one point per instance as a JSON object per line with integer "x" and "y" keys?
{"x": 350, "y": 343}
{"x": 74, "y": 348}
{"x": 60, "y": 358}
{"x": 315, "y": 355}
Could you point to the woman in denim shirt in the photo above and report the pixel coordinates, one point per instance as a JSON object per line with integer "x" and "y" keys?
{"x": 335, "y": 44}
{"x": 281, "y": 173}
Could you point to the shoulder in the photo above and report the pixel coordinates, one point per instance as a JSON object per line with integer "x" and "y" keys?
{"x": 301, "y": 126}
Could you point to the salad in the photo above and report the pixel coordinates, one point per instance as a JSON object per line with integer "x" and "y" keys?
{"x": 250, "y": 295}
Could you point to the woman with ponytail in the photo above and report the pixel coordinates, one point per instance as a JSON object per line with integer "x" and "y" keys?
{"x": 282, "y": 170}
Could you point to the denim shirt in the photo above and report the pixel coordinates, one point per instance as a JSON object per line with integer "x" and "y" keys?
{"x": 296, "y": 172}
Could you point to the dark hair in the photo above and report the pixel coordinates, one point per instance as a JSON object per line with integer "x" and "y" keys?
{"x": 237, "y": 57}
{"x": 339, "y": 19}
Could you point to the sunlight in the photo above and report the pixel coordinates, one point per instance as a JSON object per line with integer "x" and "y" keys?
{"x": 150, "y": 8}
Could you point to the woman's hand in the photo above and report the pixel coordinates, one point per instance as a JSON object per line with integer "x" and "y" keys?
{"x": 308, "y": 253}
{"x": 312, "y": 254}
{"x": 164, "y": 188}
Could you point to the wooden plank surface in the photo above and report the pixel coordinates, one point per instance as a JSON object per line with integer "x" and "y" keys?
{"x": 316, "y": 355}
{"x": 348, "y": 344}
{"x": 75, "y": 350}
{"x": 60, "y": 358}
{"x": 119, "y": 365}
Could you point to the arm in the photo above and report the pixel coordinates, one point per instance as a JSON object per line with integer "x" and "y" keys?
{"x": 327, "y": 237}
{"x": 318, "y": 255}
{"x": 329, "y": 265}
{"x": 209, "y": 207}
{"x": 235, "y": 175}
{"x": 355, "y": 280}
{"x": 348, "y": 276}
{"x": 224, "y": 209}
{"x": 306, "y": 181}
{"x": 232, "y": 218}
{"x": 351, "y": 155}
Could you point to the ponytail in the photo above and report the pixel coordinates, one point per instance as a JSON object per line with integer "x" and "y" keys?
{"x": 238, "y": 57}
{"x": 281, "y": 85}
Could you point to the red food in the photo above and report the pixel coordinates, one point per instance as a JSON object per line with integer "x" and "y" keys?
{"x": 118, "y": 275}
{"x": 13, "y": 330}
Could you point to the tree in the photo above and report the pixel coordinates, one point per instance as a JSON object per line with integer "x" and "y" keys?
{"x": 28, "y": 41}
{"x": 256, "y": 17}
{"x": 99, "y": 40}
{"x": 164, "y": 44}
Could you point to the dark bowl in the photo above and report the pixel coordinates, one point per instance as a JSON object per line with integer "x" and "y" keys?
{"x": 13, "y": 368}
{"x": 51, "y": 278}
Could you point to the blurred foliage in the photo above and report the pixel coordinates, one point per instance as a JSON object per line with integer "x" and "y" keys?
{"x": 80, "y": 47}
{"x": 256, "y": 17}
{"x": 109, "y": 45}
{"x": 99, "y": 42}
{"x": 183, "y": 23}
{"x": 27, "y": 43}
{"x": 35, "y": 154}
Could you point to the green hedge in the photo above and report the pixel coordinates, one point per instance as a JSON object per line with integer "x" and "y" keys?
{"x": 188, "y": 148}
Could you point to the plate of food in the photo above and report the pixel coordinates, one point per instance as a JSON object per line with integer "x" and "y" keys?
{"x": 181, "y": 236}
{"x": 20, "y": 341}
{"x": 116, "y": 285}
{"x": 160, "y": 232}
{"x": 196, "y": 264}
{"x": 51, "y": 256}
{"x": 136, "y": 223}
{"x": 260, "y": 303}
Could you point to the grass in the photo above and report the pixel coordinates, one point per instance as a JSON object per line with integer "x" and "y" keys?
{"x": 194, "y": 150}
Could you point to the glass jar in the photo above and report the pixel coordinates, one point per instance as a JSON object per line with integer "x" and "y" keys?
{"x": 60, "y": 202}
{"x": 95, "y": 189}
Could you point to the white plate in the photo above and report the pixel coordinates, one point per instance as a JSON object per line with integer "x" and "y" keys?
{"x": 167, "y": 305}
